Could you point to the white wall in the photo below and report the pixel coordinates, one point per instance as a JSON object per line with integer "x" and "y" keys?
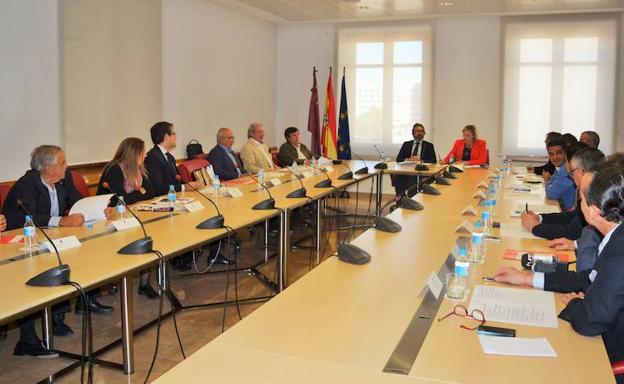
{"x": 299, "y": 49}
{"x": 219, "y": 69}
{"x": 29, "y": 79}
{"x": 466, "y": 82}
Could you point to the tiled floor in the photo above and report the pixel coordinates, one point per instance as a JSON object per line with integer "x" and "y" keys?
{"x": 197, "y": 327}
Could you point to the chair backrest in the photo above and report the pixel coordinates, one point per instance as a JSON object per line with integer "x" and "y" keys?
{"x": 274, "y": 151}
{"x": 487, "y": 157}
{"x": 188, "y": 167}
{"x": 80, "y": 183}
{"x": 4, "y": 191}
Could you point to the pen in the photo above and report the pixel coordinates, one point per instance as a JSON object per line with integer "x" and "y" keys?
{"x": 526, "y": 206}
{"x": 486, "y": 278}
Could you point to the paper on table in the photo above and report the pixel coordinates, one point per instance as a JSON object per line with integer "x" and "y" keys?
{"x": 516, "y": 346}
{"x": 515, "y": 306}
{"x": 92, "y": 207}
{"x": 535, "y": 208}
{"x": 515, "y": 230}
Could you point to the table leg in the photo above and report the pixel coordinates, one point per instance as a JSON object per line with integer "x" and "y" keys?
{"x": 46, "y": 328}
{"x": 318, "y": 231}
{"x": 127, "y": 333}
{"x": 379, "y": 191}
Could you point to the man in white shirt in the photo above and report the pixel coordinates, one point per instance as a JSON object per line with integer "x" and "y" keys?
{"x": 254, "y": 153}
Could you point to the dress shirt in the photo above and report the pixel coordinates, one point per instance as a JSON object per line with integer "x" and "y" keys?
{"x": 265, "y": 153}
{"x": 300, "y": 154}
{"x": 418, "y": 150}
{"x": 55, "y": 216}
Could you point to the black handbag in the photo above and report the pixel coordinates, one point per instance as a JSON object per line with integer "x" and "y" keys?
{"x": 193, "y": 149}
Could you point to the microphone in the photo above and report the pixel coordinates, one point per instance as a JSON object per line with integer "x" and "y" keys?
{"x": 54, "y": 276}
{"x": 297, "y": 193}
{"x": 264, "y": 204}
{"x": 345, "y": 176}
{"x": 137, "y": 247}
{"x": 212, "y": 222}
{"x": 327, "y": 183}
{"x": 363, "y": 170}
{"x": 382, "y": 164}
{"x": 454, "y": 169}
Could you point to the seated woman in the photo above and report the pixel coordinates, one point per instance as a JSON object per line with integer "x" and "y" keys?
{"x": 469, "y": 150}
{"x": 126, "y": 176}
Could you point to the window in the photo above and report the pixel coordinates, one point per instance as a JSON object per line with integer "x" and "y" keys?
{"x": 559, "y": 76}
{"x": 388, "y": 84}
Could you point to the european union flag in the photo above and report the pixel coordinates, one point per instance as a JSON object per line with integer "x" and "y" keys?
{"x": 344, "y": 141}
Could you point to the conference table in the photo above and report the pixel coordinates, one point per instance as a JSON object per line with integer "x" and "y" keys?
{"x": 96, "y": 261}
{"x": 344, "y": 323}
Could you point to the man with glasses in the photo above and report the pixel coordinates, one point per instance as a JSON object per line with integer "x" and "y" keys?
{"x": 595, "y": 299}
{"x": 414, "y": 150}
{"x": 568, "y": 224}
{"x": 225, "y": 163}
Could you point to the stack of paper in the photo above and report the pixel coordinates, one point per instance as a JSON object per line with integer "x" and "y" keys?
{"x": 515, "y": 305}
{"x": 516, "y": 346}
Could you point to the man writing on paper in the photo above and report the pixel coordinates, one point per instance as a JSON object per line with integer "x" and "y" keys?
{"x": 414, "y": 150}
{"x": 46, "y": 191}
{"x": 595, "y": 302}
{"x": 568, "y": 224}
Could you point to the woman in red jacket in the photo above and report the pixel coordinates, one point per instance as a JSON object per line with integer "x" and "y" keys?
{"x": 469, "y": 150}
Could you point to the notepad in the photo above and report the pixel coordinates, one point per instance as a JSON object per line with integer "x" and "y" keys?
{"x": 515, "y": 230}
{"x": 516, "y": 346}
{"x": 535, "y": 208}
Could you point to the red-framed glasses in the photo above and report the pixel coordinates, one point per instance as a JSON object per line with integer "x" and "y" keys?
{"x": 462, "y": 311}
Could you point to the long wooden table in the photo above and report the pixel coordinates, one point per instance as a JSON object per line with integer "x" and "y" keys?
{"x": 353, "y": 316}
{"x": 97, "y": 262}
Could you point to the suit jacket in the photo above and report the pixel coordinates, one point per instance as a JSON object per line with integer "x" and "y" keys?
{"x": 548, "y": 167}
{"x": 602, "y": 310}
{"x": 563, "y": 224}
{"x": 478, "y": 154}
{"x": 288, "y": 154}
{"x": 587, "y": 248}
{"x": 36, "y": 198}
{"x": 222, "y": 163}
{"x": 162, "y": 171}
{"x": 428, "y": 152}
{"x": 115, "y": 179}
{"x": 253, "y": 156}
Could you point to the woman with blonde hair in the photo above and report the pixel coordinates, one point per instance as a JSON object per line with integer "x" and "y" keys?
{"x": 469, "y": 149}
{"x": 126, "y": 176}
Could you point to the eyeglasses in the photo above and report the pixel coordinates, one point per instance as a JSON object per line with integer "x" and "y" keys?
{"x": 462, "y": 311}
{"x": 572, "y": 171}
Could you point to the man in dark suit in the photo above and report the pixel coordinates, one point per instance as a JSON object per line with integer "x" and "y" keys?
{"x": 46, "y": 191}
{"x": 160, "y": 163}
{"x": 595, "y": 302}
{"x": 225, "y": 163}
{"x": 414, "y": 150}
{"x": 565, "y": 224}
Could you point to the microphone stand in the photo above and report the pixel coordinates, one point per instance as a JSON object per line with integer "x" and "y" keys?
{"x": 264, "y": 204}
{"x": 297, "y": 193}
{"x": 363, "y": 170}
{"x": 137, "y": 247}
{"x": 382, "y": 164}
{"x": 212, "y": 222}
{"x": 348, "y": 175}
{"x": 327, "y": 183}
{"x": 54, "y": 276}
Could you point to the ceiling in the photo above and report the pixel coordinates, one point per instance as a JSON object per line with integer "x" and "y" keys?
{"x": 291, "y": 11}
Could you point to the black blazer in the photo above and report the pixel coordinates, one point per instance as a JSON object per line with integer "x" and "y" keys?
{"x": 564, "y": 224}
{"x": 548, "y": 167}
{"x": 222, "y": 164}
{"x": 36, "y": 198}
{"x": 115, "y": 179}
{"x": 162, "y": 171}
{"x": 428, "y": 152}
{"x": 602, "y": 310}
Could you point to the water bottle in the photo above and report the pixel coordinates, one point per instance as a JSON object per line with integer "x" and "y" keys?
{"x": 487, "y": 220}
{"x": 260, "y": 179}
{"x": 29, "y": 234}
{"x": 294, "y": 167}
{"x": 120, "y": 208}
{"x": 314, "y": 164}
{"x": 216, "y": 184}
{"x": 451, "y": 159}
{"x": 477, "y": 247}
{"x": 171, "y": 196}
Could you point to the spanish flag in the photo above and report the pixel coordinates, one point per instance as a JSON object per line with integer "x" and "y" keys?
{"x": 328, "y": 139}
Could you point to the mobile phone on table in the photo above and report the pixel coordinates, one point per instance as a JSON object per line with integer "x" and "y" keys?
{"x": 496, "y": 331}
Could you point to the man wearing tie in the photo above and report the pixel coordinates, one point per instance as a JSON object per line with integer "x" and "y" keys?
{"x": 160, "y": 164}
{"x": 414, "y": 150}
{"x": 225, "y": 163}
